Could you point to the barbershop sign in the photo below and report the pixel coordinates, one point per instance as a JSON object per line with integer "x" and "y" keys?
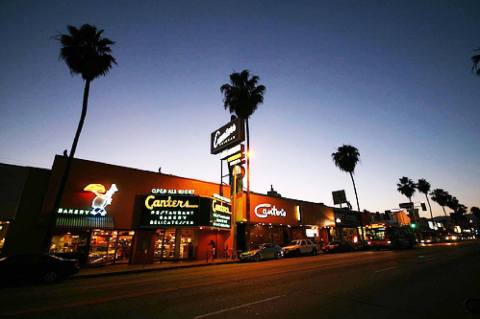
{"x": 227, "y": 136}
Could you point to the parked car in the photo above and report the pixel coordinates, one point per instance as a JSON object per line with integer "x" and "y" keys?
{"x": 300, "y": 247}
{"x": 262, "y": 252}
{"x": 44, "y": 267}
{"x": 337, "y": 246}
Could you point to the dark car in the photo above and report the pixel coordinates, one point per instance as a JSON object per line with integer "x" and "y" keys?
{"x": 262, "y": 252}
{"x": 337, "y": 246}
{"x": 44, "y": 267}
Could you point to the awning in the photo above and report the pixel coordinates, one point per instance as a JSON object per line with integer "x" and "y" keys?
{"x": 85, "y": 222}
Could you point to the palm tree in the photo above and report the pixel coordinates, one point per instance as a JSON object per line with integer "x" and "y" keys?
{"x": 423, "y": 186}
{"x": 441, "y": 197}
{"x": 406, "y": 187}
{"x": 453, "y": 203}
{"x": 475, "y": 211}
{"x": 346, "y": 159}
{"x": 476, "y": 62}
{"x": 241, "y": 97}
{"x": 88, "y": 54}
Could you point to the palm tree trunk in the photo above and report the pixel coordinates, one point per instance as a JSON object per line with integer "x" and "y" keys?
{"x": 248, "y": 170}
{"x": 355, "y": 189}
{"x": 66, "y": 173}
{"x": 444, "y": 212}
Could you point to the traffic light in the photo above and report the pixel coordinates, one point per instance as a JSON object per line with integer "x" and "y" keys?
{"x": 413, "y": 225}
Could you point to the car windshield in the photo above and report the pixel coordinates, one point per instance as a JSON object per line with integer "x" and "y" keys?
{"x": 295, "y": 242}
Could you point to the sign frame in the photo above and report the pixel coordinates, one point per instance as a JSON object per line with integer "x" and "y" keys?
{"x": 227, "y": 136}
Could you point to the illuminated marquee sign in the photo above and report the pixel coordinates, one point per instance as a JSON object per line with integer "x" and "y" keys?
{"x": 265, "y": 210}
{"x": 169, "y": 210}
{"x": 220, "y": 213}
{"x": 102, "y": 199}
{"x": 227, "y": 136}
{"x": 173, "y": 191}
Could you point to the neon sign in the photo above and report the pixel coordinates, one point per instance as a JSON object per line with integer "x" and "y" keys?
{"x": 227, "y": 136}
{"x": 173, "y": 191}
{"x": 102, "y": 199}
{"x": 265, "y": 210}
{"x": 151, "y": 202}
{"x": 169, "y": 210}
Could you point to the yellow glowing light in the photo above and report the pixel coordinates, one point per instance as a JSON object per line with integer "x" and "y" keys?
{"x": 95, "y": 188}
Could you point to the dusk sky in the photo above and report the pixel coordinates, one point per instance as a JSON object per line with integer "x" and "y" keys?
{"x": 392, "y": 78}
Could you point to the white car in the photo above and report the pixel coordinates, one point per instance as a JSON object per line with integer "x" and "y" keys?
{"x": 300, "y": 247}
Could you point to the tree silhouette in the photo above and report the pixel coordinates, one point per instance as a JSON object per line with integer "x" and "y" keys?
{"x": 475, "y": 211}
{"x": 441, "y": 197}
{"x": 346, "y": 158}
{"x": 241, "y": 97}
{"x": 423, "y": 187}
{"x": 87, "y": 53}
{"x": 476, "y": 62}
{"x": 406, "y": 187}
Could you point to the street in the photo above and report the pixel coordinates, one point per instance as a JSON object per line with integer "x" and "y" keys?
{"x": 426, "y": 282}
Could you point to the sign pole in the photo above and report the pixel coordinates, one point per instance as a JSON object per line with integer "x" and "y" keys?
{"x": 233, "y": 194}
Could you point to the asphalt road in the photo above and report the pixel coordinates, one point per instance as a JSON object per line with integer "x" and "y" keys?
{"x": 427, "y": 282}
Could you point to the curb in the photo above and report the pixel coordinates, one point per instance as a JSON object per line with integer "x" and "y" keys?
{"x": 144, "y": 270}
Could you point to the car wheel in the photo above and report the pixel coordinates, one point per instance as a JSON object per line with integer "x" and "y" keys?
{"x": 50, "y": 277}
{"x": 257, "y": 257}
{"x": 314, "y": 252}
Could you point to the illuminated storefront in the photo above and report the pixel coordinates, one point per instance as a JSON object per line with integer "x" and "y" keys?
{"x": 111, "y": 214}
{"x": 279, "y": 220}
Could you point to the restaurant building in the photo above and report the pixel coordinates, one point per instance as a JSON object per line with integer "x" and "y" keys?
{"x": 280, "y": 220}
{"x": 111, "y": 214}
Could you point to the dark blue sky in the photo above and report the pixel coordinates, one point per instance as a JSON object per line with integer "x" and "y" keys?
{"x": 390, "y": 77}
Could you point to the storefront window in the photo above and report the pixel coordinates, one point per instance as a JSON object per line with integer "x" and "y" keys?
{"x": 102, "y": 247}
{"x": 166, "y": 240}
{"x": 186, "y": 244}
{"x": 165, "y": 244}
{"x": 3, "y": 233}
{"x": 108, "y": 247}
{"x": 69, "y": 243}
{"x": 124, "y": 246}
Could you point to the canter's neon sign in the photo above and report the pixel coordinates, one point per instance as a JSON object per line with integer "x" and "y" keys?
{"x": 265, "y": 210}
{"x": 151, "y": 203}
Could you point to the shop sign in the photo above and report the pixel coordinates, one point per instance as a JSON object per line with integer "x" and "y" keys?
{"x": 220, "y": 214}
{"x": 227, "y": 136}
{"x": 347, "y": 219}
{"x": 170, "y": 210}
{"x": 173, "y": 191}
{"x": 102, "y": 199}
{"x": 266, "y": 210}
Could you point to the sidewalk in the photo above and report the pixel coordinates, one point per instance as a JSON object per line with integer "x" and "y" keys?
{"x": 121, "y": 269}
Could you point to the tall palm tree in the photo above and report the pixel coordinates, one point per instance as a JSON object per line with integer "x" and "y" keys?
{"x": 241, "y": 97}
{"x": 88, "y": 54}
{"x": 406, "y": 187}
{"x": 346, "y": 159}
{"x": 440, "y": 196}
{"x": 453, "y": 203}
{"x": 423, "y": 186}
